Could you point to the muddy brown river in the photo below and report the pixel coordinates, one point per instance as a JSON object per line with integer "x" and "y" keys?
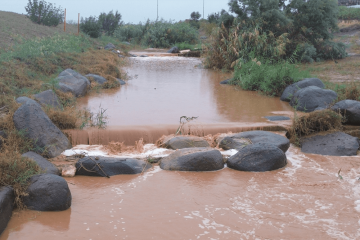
{"x": 308, "y": 199}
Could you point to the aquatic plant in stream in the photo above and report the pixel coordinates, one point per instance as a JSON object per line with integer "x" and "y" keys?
{"x": 90, "y": 119}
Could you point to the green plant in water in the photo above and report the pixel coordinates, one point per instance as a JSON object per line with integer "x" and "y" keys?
{"x": 90, "y": 119}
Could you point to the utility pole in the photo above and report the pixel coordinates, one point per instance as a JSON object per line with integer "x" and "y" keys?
{"x": 157, "y": 10}
{"x": 203, "y": 9}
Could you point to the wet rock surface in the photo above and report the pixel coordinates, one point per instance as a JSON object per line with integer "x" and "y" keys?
{"x": 293, "y": 88}
{"x": 122, "y": 82}
{"x": 105, "y": 166}
{"x": 258, "y": 157}
{"x": 43, "y": 163}
{"x": 7, "y": 198}
{"x": 277, "y": 118}
{"x": 174, "y": 50}
{"x": 72, "y": 81}
{"x": 227, "y": 81}
{"x": 97, "y": 78}
{"x": 37, "y": 126}
{"x": 265, "y": 137}
{"x": 334, "y": 144}
{"x": 193, "y": 159}
{"x": 310, "y": 98}
{"x": 48, "y": 98}
{"x": 48, "y": 192}
{"x": 350, "y": 109}
{"x": 185, "y": 142}
{"x": 233, "y": 143}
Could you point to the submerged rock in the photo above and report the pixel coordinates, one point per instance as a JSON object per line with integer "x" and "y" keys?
{"x": 99, "y": 79}
{"x": 72, "y": 81}
{"x": 37, "y": 126}
{"x": 193, "y": 159}
{"x": 48, "y": 98}
{"x": 277, "y": 118}
{"x": 310, "y": 98}
{"x": 350, "y": 109}
{"x": 174, "y": 50}
{"x": 258, "y": 157}
{"x": 264, "y": 137}
{"x": 105, "y": 166}
{"x": 43, "y": 163}
{"x": 185, "y": 142}
{"x": 48, "y": 192}
{"x": 7, "y": 198}
{"x": 227, "y": 81}
{"x": 293, "y": 88}
{"x": 333, "y": 144}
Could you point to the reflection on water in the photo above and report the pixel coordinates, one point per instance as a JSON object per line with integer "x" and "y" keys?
{"x": 164, "y": 88}
{"x": 305, "y": 200}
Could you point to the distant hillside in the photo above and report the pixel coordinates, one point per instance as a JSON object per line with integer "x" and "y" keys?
{"x": 14, "y": 25}
{"x": 348, "y": 2}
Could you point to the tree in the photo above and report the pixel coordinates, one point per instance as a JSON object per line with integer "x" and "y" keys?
{"x": 44, "y": 13}
{"x": 91, "y": 26}
{"x": 222, "y": 17}
{"x": 109, "y": 22}
{"x": 195, "y": 16}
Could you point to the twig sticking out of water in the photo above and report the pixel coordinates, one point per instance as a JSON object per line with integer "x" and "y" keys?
{"x": 339, "y": 174}
{"x": 183, "y": 121}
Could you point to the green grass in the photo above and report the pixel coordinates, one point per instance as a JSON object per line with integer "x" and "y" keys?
{"x": 185, "y": 46}
{"x": 346, "y": 13}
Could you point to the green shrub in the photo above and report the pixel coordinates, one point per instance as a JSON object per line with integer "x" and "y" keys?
{"x": 91, "y": 26}
{"x": 129, "y": 33}
{"x": 346, "y": 13}
{"x": 109, "y": 22}
{"x": 267, "y": 76}
{"x": 44, "y": 13}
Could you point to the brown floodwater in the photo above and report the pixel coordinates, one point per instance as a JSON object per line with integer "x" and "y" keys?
{"x": 162, "y": 89}
{"x": 305, "y": 200}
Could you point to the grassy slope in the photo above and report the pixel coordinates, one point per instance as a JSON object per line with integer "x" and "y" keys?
{"x": 14, "y": 26}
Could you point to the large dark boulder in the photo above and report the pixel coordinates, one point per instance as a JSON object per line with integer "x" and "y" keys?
{"x": 105, "y": 166}
{"x": 99, "y": 79}
{"x": 48, "y": 192}
{"x": 109, "y": 46}
{"x": 7, "y": 198}
{"x": 193, "y": 159}
{"x": 43, "y": 163}
{"x": 185, "y": 142}
{"x": 233, "y": 143}
{"x": 350, "y": 109}
{"x": 48, "y": 98}
{"x": 293, "y": 88}
{"x": 258, "y": 157}
{"x": 72, "y": 81}
{"x": 264, "y": 137}
{"x": 333, "y": 144}
{"x": 310, "y": 98}
{"x": 37, "y": 126}
{"x": 174, "y": 50}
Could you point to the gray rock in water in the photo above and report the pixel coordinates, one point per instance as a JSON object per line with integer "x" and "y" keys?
{"x": 99, "y": 79}
{"x": 193, "y": 159}
{"x": 7, "y": 198}
{"x": 89, "y": 166}
{"x": 72, "y": 81}
{"x": 258, "y": 157}
{"x": 265, "y": 137}
{"x": 37, "y": 126}
{"x": 23, "y": 100}
{"x": 185, "y": 142}
{"x": 333, "y": 144}
{"x": 122, "y": 82}
{"x": 48, "y": 98}
{"x": 132, "y": 55}
{"x": 227, "y": 81}
{"x": 233, "y": 143}
{"x": 174, "y": 50}
{"x": 293, "y": 88}
{"x": 109, "y": 46}
{"x": 310, "y": 98}
{"x": 350, "y": 109}
{"x": 48, "y": 192}
{"x": 43, "y": 163}
{"x": 277, "y": 118}
{"x": 144, "y": 56}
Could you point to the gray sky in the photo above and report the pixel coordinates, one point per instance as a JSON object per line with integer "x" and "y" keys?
{"x": 131, "y": 10}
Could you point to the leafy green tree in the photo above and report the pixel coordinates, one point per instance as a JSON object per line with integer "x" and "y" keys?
{"x": 109, "y": 22}
{"x": 195, "y": 16}
{"x": 222, "y": 17}
{"x": 91, "y": 26}
{"x": 45, "y": 13}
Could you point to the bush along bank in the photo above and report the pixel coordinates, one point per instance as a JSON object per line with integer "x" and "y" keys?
{"x": 40, "y": 84}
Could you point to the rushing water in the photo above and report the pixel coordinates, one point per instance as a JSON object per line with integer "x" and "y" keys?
{"x": 305, "y": 200}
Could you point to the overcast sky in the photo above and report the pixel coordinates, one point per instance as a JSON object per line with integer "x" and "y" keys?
{"x": 131, "y": 10}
